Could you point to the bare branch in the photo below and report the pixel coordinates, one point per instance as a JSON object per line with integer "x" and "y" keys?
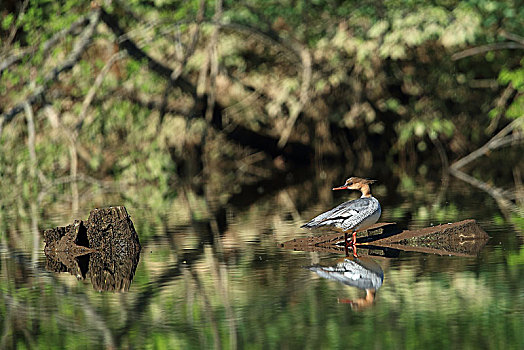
{"x": 134, "y": 51}
{"x": 298, "y": 50}
{"x": 500, "y": 103}
{"x": 68, "y": 179}
{"x": 151, "y": 104}
{"x": 10, "y": 60}
{"x": 493, "y": 191}
{"x": 15, "y": 27}
{"x": 80, "y": 46}
{"x": 304, "y": 96}
{"x": 485, "y": 48}
{"x": 92, "y": 91}
{"x": 269, "y": 36}
{"x": 513, "y": 37}
{"x": 496, "y": 141}
{"x": 213, "y": 60}
{"x": 31, "y": 137}
{"x": 177, "y": 72}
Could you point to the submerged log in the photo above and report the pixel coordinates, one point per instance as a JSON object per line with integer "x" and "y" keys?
{"x": 104, "y": 249}
{"x": 465, "y": 238}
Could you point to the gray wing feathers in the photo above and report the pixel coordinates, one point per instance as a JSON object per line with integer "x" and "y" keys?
{"x": 359, "y": 207}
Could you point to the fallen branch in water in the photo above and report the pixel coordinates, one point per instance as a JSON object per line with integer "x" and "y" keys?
{"x": 463, "y": 238}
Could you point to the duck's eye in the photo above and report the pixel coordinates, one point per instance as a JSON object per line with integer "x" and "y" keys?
{"x": 350, "y": 183}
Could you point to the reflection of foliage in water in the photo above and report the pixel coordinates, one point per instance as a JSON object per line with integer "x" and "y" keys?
{"x": 196, "y": 289}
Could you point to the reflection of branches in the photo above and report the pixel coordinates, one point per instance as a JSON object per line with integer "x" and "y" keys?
{"x": 207, "y": 309}
{"x": 7, "y": 325}
{"x": 15, "y": 307}
{"x": 15, "y": 310}
{"x": 98, "y": 322}
{"x": 445, "y": 170}
{"x": 36, "y": 233}
{"x": 145, "y": 297}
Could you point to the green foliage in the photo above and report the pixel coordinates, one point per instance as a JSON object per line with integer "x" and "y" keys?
{"x": 515, "y": 76}
{"x": 7, "y": 21}
{"x": 378, "y": 68}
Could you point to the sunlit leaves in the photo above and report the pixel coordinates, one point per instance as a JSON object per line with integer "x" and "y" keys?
{"x": 7, "y": 21}
{"x": 515, "y": 77}
{"x": 463, "y": 28}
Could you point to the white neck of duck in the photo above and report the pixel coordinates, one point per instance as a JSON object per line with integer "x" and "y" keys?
{"x": 366, "y": 192}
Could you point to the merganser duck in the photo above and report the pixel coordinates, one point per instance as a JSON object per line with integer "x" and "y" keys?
{"x": 353, "y": 215}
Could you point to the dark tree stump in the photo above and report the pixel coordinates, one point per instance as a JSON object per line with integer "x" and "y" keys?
{"x": 71, "y": 238}
{"x": 110, "y": 230}
{"x": 105, "y": 249}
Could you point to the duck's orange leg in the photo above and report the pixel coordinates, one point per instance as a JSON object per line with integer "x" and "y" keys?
{"x": 353, "y": 243}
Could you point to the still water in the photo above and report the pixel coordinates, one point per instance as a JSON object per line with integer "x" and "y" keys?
{"x": 212, "y": 274}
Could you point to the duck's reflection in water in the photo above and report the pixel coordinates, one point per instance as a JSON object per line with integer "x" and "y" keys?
{"x": 362, "y": 272}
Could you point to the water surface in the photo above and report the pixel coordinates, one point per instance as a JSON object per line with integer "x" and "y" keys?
{"x": 212, "y": 274}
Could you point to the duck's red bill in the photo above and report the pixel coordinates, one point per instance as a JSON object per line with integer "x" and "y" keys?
{"x": 340, "y": 188}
